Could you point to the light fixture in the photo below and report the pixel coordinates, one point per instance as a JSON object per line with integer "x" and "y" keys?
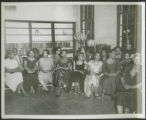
{"x": 90, "y": 43}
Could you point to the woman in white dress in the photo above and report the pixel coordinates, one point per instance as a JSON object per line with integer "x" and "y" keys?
{"x": 45, "y": 70}
{"x": 17, "y": 57}
{"x": 13, "y": 74}
{"x": 91, "y": 83}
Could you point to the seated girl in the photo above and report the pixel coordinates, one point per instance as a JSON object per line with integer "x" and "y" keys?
{"x": 13, "y": 74}
{"x": 77, "y": 76}
{"x": 45, "y": 70}
{"x": 31, "y": 67}
{"x": 63, "y": 72}
{"x": 91, "y": 83}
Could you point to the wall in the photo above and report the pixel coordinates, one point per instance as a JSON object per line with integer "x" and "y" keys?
{"x": 45, "y": 13}
{"x": 105, "y": 18}
{"x": 105, "y": 24}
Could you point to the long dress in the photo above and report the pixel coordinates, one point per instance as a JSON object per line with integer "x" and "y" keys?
{"x": 45, "y": 64}
{"x": 110, "y": 82}
{"x": 12, "y": 80}
{"x": 128, "y": 98}
{"x": 31, "y": 78}
{"x": 62, "y": 75}
{"x": 56, "y": 59}
{"x": 18, "y": 58}
{"x": 78, "y": 76}
{"x": 95, "y": 69}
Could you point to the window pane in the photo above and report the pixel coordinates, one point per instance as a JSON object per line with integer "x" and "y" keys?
{"x": 124, "y": 19}
{"x": 121, "y": 17}
{"x": 125, "y": 8}
{"x": 42, "y": 45}
{"x": 63, "y": 38}
{"x": 41, "y": 31}
{"x": 17, "y": 39}
{"x": 17, "y": 24}
{"x": 41, "y": 25}
{"x": 120, "y": 30}
{"x": 60, "y": 25}
{"x": 23, "y": 46}
{"x": 17, "y": 31}
{"x": 131, "y": 18}
{"x": 41, "y": 38}
{"x": 83, "y": 25}
{"x": 64, "y": 44}
{"x": 64, "y": 31}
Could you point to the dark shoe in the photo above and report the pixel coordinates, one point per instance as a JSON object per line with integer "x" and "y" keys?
{"x": 113, "y": 98}
{"x": 57, "y": 95}
{"x": 25, "y": 95}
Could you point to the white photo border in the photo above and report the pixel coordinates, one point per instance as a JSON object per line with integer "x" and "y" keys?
{"x": 104, "y": 116}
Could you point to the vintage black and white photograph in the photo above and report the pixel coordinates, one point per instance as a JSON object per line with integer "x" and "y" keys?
{"x": 73, "y": 60}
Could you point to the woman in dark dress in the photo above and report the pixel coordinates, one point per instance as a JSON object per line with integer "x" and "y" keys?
{"x": 31, "y": 67}
{"x": 77, "y": 76}
{"x": 63, "y": 72}
{"x": 126, "y": 98}
{"x": 57, "y": 55}
{"x": 103, "y": 55}
{"x": 118, "y": 55}
{"x": 126, "y": 61}
{"x": 56, "y": 58}
{"x": 36, "y": 54}
{"x": 111, "y": 70}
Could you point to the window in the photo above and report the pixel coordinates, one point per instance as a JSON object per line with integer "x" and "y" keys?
{"x": 87, "y": 20}
{"x": 64, "y": 35}
{"x": 39, "y": 34}
{"x": 127, "y": 25}
{"x": 17, "y": 35}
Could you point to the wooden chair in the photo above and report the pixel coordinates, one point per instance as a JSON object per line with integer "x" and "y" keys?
{"x": 48, "y": 85}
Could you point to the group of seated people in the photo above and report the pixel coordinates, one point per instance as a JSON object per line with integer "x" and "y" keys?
{"x": 109, "y": 72}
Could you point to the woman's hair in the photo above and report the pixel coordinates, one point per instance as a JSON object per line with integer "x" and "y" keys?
{"x": 110, "y": 51}
{"x": 35, "y": 50}
{"x": 30, "y": 51}
{"x": 117, "y": 47}
{"x": 62, "y": 52}
{"x": 93, "y": 57}
{"x": 104, "y": 49}
{"x": 15, "y": 50}
{"x": 8, "y": 52}
{"x": 56, "y": 49}
{"x": 79, "y": 55}
{"x": 126, "y": 52}
{"x": 46, "y": 50}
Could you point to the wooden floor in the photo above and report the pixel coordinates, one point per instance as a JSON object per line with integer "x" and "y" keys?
{"x": 49, "y": 104}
